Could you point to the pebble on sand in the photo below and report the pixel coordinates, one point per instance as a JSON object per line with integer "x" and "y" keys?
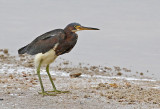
{"x": 74, "y": 75}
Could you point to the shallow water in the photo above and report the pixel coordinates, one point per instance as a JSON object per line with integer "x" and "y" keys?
{"x": 129, "y": 35}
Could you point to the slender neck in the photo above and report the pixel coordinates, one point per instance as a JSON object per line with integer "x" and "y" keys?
{"x": 70, "y": 34}
{"x": 68, "y": 31}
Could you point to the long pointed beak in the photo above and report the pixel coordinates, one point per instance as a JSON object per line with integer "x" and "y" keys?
{"x": 87, "y": 28}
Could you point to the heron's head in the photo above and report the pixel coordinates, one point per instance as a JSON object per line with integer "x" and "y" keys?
{"x": 74, "y": 27}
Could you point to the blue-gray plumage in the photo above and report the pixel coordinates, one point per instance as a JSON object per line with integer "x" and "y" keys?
{"x": 44, "y": 43}
{"x": 50, "y": 45}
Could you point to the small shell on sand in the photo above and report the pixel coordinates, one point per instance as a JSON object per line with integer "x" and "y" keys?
{"x": 74, "y": 75}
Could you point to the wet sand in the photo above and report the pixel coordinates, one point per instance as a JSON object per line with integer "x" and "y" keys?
{"x": 91, "y": 87}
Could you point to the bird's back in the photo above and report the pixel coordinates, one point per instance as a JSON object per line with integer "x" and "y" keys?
{"x": 63, "y": 41}
{"x": 44, "y": 42}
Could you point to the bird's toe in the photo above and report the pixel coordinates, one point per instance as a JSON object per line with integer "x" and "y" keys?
{"x": 47, "y": 94}
{"x": 58, "y": 91}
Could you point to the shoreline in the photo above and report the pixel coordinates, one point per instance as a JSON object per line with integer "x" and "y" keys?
{"x": 96, "y": 86}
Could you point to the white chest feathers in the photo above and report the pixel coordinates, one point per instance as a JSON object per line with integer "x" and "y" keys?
{"x": 46, "y": 58}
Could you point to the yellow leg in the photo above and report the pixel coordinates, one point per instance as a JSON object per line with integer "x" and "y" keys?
{"x": 54, "y": 87}
{"x": 40, "y": 80}
{"x": 47, "y": 70}
{"x": 39, "y": 76}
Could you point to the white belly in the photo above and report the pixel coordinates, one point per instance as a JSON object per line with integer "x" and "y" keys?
{"x": 47, "y": 58}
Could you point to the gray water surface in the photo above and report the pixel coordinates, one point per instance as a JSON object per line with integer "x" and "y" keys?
{"x": 129, "y": 35}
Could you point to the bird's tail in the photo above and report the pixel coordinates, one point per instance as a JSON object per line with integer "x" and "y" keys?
{"x": 22, "y": 50}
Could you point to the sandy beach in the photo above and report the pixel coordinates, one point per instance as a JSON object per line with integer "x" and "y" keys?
{"x": 93, "y": 87}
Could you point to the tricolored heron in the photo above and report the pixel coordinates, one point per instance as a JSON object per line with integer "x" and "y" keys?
{"x": 49, "y": 45}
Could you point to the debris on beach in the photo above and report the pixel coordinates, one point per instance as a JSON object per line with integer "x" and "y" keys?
{"x": 17, "y": 78}
{"x": 74, "y": 75}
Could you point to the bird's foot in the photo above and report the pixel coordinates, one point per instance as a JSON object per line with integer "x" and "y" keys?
{"x": 52, "y": 93}
{"x": 47, "y": 94}
{"x": 58, "y": 91}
